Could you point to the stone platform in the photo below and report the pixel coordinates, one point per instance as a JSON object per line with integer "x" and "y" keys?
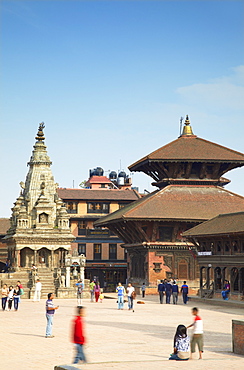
{"x": 116, "y": 339}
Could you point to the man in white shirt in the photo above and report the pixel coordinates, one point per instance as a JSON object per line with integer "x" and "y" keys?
{"x": 131, "y": 295}
{"x": 38, "y": 289}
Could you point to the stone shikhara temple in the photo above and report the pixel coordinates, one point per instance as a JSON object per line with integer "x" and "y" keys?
{"x": 188, "y": 173}
{"x": 39, "y": 232}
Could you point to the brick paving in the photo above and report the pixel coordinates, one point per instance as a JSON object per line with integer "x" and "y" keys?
{"x": 116, "y": 339}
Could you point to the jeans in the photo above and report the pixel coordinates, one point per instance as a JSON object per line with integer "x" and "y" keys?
{"x": 225, "y": 294}
{"x": 130, "y": 303}
{"x": 49, "y": 324}
{"x": 120, "y": 302}
{"x": 80, "y": 356}
{"x": 185, "y": 297}
{"x": 16, "y": 302}
{"x": 175, "y": 297}
{"x": 92, "y": 295}
{"x": 4, "y": 301}
{"x": 161, "y": 297}
{"x": 168, "y": 295}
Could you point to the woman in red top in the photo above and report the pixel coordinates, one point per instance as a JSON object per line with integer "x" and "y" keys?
{"x": 78, "y": 335}
{"x": 97, "y": 291}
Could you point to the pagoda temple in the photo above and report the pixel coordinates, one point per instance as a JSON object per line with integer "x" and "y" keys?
{"x": 188, "y": 173}
{"x": 39, "y": 233}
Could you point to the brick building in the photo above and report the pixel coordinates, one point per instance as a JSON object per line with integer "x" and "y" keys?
{"x": 105, "y": 259}
{"x": 220, "y": 245}
{"x": 188, "y": 172}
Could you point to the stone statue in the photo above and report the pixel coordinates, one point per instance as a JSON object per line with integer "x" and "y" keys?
{"x": 62, "y": 281}
{"x": 59, "y": 276}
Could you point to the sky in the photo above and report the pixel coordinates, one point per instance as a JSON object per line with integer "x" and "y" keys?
{"x": 111, "y": 80}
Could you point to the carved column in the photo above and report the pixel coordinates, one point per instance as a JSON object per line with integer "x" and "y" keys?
{"x": 208, "y": 277}
{"x": 68, "y": 277}
{"x": 82, "y": 273}
{"x": 35, "y": 253}
{"x": 52, "y": 255}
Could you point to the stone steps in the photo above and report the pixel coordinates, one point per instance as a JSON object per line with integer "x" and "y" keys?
{"x": 47, "y": 279}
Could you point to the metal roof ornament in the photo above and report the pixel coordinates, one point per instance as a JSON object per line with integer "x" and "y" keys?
{"x": 187, "y": 130}
{"x": 40, "y": 135}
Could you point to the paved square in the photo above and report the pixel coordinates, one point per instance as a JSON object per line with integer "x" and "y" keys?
{"x": 116, "y": 339}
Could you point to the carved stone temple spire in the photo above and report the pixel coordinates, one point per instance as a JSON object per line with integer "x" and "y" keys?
{"x": 39, "y": 220}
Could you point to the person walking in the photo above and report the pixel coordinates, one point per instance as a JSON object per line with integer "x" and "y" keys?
{"x": 91, "y": 286}
{"x": 78, "y": 335}
{"x": 4, "y": 296}
{"x": 97, "y": 291}
{"x": 17, "y": 294}
{"x": 80, "y": 288}
{"x": 121, "y": 293}
{"x": 168, "y": 291}
{"x": 184, "y": 291}
{"x": 175, "y": 292}
{"x": 10, "y": 297}
{"x": 143, "y": 290}
{"x": 50, "y": 309}
{"x": 38, "y": 290}
{"x": 131, "y": 296}
{"x": 197, "y": 336}
{"x": 161, "y": 291}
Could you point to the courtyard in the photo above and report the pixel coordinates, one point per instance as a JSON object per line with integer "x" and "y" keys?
{"x": 116, "y": 339}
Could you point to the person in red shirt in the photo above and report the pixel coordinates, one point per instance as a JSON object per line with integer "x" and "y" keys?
{"x": 78, "y": 335}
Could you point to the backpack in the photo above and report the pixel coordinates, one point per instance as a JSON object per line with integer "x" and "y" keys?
{"x": 133, "y": 295}
{"x": 80, "y": 289}
{"x": 21, "y": 291}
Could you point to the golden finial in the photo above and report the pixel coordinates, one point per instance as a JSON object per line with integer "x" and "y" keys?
{"x": 40, "y": 135}
{"x": 187, "y": 130}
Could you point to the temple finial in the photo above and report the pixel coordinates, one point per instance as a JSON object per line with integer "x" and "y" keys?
{"x": 187, "y": 130}
{"x": 40, "y": 135}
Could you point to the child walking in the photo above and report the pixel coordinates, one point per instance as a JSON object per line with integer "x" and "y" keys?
{"x": 78, "y": 335}
{"x": 101, "y": 296}
{"x": 181, "y": 345}
{"x": 197, "y": 336}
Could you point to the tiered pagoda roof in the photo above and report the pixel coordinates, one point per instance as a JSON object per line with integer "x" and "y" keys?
{"x": 188, "y": 171}
{"x": 182, "y": 203}
{"x": 189, "y": 159}
{"x": 223, "y": 224}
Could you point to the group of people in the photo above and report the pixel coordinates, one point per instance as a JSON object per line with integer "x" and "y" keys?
{"x": 96, "y": 292}
{"x": 169, "y": 288}
{"x": 183, "y": 346}
{"x": 11, "y": 296}
{"x": 131, "y": 295}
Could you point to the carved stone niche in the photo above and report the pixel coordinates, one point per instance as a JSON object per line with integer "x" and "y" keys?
{"x": 157, "y": 266}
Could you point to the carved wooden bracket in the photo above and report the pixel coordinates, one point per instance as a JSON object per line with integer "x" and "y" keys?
{"x": 157, "y": 266}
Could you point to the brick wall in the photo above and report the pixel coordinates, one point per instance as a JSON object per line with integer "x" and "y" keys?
{"x": 238, "y": 337}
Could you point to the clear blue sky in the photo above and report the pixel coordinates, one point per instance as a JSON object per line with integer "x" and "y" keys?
{"x": 111, "y": 80}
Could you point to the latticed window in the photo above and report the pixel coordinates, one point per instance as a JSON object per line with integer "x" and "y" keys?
{"x": 71, "y": 207}
{"x": 82, "y": 249}
{"x": 97, "y": 207}
{"x": 97, "y": 251}
{"x": 112, "y": 251}
{"x": 183, "y": 270}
